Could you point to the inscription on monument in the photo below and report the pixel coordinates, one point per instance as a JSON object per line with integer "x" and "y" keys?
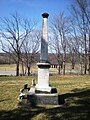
{"x": 43, "y": 77}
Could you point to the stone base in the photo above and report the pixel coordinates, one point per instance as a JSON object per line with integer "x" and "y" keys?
{"x": 43, "y": 89}
{"x": 46, "y": 91}
{"x": 43, "y": 99}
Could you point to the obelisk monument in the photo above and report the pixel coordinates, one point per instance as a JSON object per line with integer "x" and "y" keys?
{"x": 44, "y": 65}
{"x": 42, "y": 93}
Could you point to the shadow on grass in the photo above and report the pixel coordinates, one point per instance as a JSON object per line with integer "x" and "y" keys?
{"x": 76, "y": 107}
{"x": 4, "y": 100}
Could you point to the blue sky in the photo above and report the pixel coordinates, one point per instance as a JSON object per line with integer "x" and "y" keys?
{"x": 33, "y": 8}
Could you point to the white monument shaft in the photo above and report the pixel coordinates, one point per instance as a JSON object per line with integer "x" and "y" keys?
{"x": 43, "y": 66}
{"x": 44, "y": 41}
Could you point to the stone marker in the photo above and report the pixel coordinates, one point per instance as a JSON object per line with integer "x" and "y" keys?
{"x": 42, "y": 93}
{"x": 43, "y": 66}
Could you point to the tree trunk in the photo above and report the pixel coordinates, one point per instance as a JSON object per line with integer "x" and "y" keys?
{"x": 28, "y": 67}
{"x": 18, "y": 61}
{"x": 85, "y": 54}
{"x": 17, "y": 69}
{"x": 28, "y": 71}
{"x": 73, "y": 62}
{"x": 64, "y": 67}
{"x": 23, "y": 69}
{"x": 59, "y": 70}
{"x": 81, "y": 68}
{"x": 89, "y": 55}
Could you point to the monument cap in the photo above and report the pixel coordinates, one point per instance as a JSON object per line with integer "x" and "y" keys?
{"x": 45, "y": 15}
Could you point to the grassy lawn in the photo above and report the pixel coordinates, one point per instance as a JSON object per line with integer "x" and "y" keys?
{"x": 74, "y": 89}
{"x": 34, "y": 68}
{"x": 7, "y": 67}
{"x": 12, "y": 67}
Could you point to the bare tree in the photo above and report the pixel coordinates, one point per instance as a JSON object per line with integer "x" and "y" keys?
{"x": 75, "y": 50}
{"x": 55, "y": 48}
{"x": 70, "y": 50}
{"x": 30, "y": 49}
{"x": 85, "y": 7}
{"x": 81, "y": 14}
{"x": 60, "y": 29}
{"x": 14, "y": 31}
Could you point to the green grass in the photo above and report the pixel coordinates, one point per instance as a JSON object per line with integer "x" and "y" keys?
{"x": 7, "y": 67}
{"x": 74, "y": 89}
{"x": 34, "y": 68}
{"x": 12, "y": 67}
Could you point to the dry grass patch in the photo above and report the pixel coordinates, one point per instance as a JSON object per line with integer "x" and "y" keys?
{"x": 74, "y": 89}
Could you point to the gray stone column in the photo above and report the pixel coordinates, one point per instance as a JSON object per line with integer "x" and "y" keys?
{"x": 43, "y": 66}
{"x": 44, "y": 39}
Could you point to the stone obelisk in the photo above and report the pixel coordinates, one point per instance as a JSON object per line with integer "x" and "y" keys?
{"x": 42, "y": 93}
{"x": 43, "y": 65}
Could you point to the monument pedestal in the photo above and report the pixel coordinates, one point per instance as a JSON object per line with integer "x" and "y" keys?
{"x": 43, "y": 77}
{"x": 44, "y": 93}
{"x": 43, "y": 99}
